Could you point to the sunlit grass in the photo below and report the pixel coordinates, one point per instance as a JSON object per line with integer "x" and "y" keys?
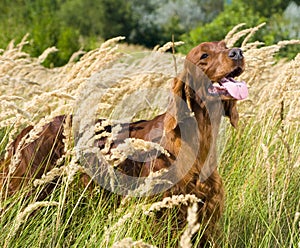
{"x": 262, "y": 201}
{"x": 259, "y": 162}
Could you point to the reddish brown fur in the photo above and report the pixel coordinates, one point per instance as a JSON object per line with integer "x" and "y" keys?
{"x": 37, "y": 157}
{"x": 202, "y": 178}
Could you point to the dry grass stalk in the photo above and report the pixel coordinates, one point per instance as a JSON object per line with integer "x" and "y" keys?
{"x": 294, "y": 226}
{"x": 251, "y": 33}
{"x": 22, "y": 216}
{"x": 16, "y": 159}
{"x": 132, "y": 147}
{"x": 110, "y": 137}
{"x": 232, "y": 32}
{"x": 45, "y": 54}
{"x": 169, "y": 45}
{"x": 120, "y": 223}
{"x": 146, "y": 188}
{"x": 170, "y": 202}
{"x": 72, "y": 168}
{"x": 130, "y": 243}
{"x": 192, "y": 227}
{"x": 68, "y": 171}
{"x": 232, "y": 37}
{"x": 49, "y": 177}
{"x": 271, "y": 177}
{"x": 68, "y": 134}
{"x": 297, "y": 164}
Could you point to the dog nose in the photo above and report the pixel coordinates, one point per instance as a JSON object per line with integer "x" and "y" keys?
{"x": 235, "y": 54}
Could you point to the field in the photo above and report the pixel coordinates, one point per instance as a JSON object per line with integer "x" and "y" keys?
{"x": 259, "y": 162}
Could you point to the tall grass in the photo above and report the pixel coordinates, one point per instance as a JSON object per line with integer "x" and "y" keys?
{"x": 259, "y": 162}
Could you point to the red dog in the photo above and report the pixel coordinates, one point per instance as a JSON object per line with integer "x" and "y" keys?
{"x": 187, "y": 131}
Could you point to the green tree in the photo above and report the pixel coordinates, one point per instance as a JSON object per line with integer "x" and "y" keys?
{"x": 104, "y": 18}
{"x": 232, "y": 15}
{"x": 48, "y": 29}
{"x": 281, "y": 25}
{"x": 266, "y": 8}
{"x": 10, "y": 27}
{"x": 155, "y": 21}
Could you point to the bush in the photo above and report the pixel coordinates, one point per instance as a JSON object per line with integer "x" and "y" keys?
{"x": 216, "y": 30}
{"x": 280, "y": 26}
{"x": 41, "y": 19}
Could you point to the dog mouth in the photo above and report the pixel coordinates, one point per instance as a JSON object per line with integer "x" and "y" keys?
{"x": 228, "y": 88}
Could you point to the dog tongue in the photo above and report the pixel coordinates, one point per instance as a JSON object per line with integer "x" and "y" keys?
{"x": 236, "y": 89}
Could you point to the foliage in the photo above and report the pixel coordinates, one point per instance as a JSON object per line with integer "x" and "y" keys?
{"x": 103, "y": 18}
{"x": 292, "y": 15}
{"x": 232, "y": 15}
{"x": 156, "y": 21}
{"x": 284, "y": 26}
{"x": 42, "y": 21}
{"x": 71, "y": 25}
{"x": 281, "y": 25}
{"x": 265, "y": 7}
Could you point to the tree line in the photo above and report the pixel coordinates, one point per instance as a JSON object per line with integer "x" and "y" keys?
{"x": 73, "y": 24}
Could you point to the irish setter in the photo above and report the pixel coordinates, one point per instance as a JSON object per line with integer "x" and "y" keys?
{"x": 203, "y": 93}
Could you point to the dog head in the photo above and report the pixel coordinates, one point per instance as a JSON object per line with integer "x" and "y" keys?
{"x": 209, "y": 72}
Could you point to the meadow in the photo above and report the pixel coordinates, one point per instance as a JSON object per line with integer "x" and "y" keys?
{"x": 259, "y": 161}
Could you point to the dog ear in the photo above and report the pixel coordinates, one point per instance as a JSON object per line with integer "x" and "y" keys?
{"x": 222, "y": 44}
{"x": 171, "y": 119}
{"x": 230, "y": 110}
{"x": 180, "y": 105}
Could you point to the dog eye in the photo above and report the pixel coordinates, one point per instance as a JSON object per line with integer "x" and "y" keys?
{"x": 204, "y": 56}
